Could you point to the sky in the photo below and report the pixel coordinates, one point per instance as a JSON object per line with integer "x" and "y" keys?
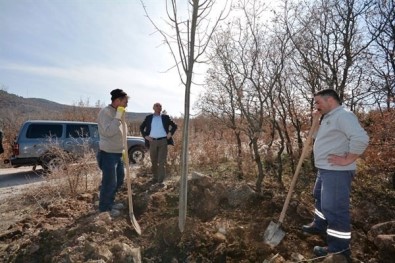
{"x": 69, "y": 51}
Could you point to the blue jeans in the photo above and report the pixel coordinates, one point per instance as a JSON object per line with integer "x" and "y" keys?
{"x": 113, "y": 176}
{"x": 332, "y": 205}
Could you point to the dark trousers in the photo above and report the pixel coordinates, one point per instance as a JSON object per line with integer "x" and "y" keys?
{"x": 332, "y": 205}
{"x": 158, "y": 154}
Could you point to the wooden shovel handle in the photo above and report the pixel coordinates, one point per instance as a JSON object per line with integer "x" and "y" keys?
{"x": 128, "y": 179}
{"x": 305, "y": 151}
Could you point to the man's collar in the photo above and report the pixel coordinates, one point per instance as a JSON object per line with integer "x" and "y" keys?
{"x": 335, "y": 110}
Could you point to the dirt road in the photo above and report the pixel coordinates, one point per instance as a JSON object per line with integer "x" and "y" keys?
{"x": 12, "y": 180}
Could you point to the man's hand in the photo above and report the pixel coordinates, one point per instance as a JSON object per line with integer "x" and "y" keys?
{"x": 120, "y": 112}
{"x": 168, "y": 135}
{"x": 124, "y": 156}
{"x": 342, "y": 160}
{"x": 317, "y": 114}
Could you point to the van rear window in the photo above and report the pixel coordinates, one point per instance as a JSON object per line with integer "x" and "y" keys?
{"x": 44, "y": 131}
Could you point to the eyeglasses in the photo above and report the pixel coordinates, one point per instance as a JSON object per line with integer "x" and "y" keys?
{"x": 160, "y": 106}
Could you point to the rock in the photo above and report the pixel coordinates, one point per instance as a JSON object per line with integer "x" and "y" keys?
{"x": 141, "y": 202}
{"x": 104, "y": 253}
{"x": 89, "y": 249}
{"x": 382, "y": 235}
{"x": 104, "y": 217}
{"x": 136, "y": 253}
{"x": 13, "y": 232}
{"x": 169, "y": 232}
{"x": 199, "y": 176}
{"x": 305, "y": 212}
{"x": 386, "y": 246}
{"x": 297, "y": 257}
{"x": 204, "y": 196}
{"x": 219, "y": 237}
{"x": 275, "y": 259}
{"x": 335, "y": 258}
{"x": 385, "y": 241}
{"x": 240, "y": 195}
{"x": 86, "y": 197}
{"x": 364, "y": 214}
{"x": 124, "y": 253}
{"x": 158, "y": 200}
{"x": 3, "y": 247}
{"x": 382, "y": 228}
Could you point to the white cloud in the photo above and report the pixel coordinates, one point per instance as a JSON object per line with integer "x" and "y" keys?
{"x": 70, "y": 50}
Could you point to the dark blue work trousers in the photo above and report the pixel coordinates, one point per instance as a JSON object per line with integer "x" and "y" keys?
{"x": 332, "y": 207}
{"x": 113, "y": 176}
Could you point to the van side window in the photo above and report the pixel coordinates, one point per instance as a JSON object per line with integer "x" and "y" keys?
{"x": 35, "y": 131}
{"x": 77, "y": 131}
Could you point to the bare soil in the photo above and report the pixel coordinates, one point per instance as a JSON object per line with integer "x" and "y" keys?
{"x": 225, "y": 222}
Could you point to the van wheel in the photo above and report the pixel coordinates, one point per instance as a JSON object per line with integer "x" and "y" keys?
{"x": 136, "y": 155}
{"x": 52, "y": 163}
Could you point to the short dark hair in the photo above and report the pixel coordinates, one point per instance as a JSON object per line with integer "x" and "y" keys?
{"x": 329, "y": 93}
{"x": 117, "y": 93}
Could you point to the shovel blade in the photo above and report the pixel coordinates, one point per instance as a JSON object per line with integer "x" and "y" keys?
{"x": 273, "y": 234}
{"x": 135, "y": 223}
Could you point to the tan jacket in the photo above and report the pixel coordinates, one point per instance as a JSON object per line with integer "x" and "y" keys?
{"x": 110, "y": 131}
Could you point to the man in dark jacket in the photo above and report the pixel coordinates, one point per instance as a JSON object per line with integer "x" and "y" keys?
{"x": 157, "y": 130}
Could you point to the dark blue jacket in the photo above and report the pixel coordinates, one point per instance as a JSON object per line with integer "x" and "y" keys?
{"x": 168, "y": 125}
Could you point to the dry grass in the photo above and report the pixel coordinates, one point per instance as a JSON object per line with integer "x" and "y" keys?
{"x": 67, "y": 178}
{"x": 215, "y": 153}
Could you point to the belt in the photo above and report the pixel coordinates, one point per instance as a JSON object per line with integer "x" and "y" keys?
{"x": 160, "y": 138}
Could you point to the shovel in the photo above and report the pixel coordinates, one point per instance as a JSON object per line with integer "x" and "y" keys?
{"x": 126, "y": 162}
{"x": 274, "y": 234}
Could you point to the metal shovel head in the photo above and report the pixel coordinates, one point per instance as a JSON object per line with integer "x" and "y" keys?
{"x": 273, "y": 234}
{"x": 135, "y": 224}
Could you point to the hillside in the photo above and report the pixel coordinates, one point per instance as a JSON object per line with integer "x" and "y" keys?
{"x": 17, "y": 107}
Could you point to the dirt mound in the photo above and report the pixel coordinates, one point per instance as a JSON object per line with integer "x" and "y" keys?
{"x": 225, "y": 223}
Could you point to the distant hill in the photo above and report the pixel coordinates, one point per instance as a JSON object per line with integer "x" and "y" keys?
{"x": 17, "y": 109}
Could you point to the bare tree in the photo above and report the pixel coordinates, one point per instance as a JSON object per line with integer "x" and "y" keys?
{"x": 251, "y": 64}
{"x": 220, "y": 99}
{"x": 331, "y": 45}
{"x": 382, "y": 79}
{"x": 187, "y": 43}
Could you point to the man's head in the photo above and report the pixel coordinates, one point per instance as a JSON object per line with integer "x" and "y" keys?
{"x": 157, "y": 108}
{"x": 326, "y": 100}
{"x": 119, "y": 98}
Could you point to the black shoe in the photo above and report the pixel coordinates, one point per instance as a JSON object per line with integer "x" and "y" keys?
{"x": 320, "y": 251}
{"x": 312, "y": 230}
{"x": 344, "y": 256}
{"x": 153, "y": 181}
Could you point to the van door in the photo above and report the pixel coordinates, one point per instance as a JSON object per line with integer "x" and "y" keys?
{"x": 38, "y": 138}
